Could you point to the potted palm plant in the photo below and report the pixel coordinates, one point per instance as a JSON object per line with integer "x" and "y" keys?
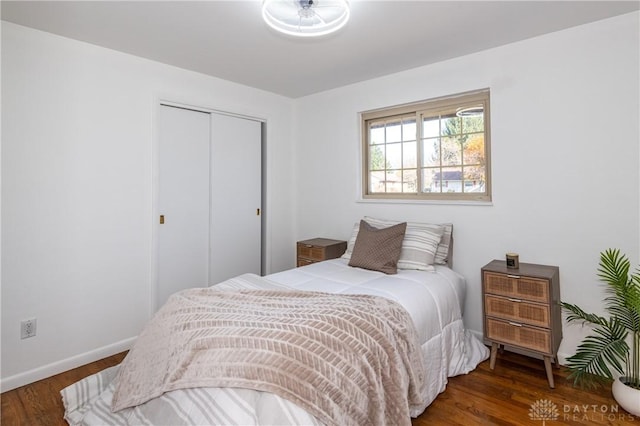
{"x": 608, "y": 347}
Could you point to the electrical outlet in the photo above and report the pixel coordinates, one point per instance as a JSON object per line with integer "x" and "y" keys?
{"x": 28, "y": 328}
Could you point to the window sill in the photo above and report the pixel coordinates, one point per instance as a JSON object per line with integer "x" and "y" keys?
{"x": 432, "y": 202}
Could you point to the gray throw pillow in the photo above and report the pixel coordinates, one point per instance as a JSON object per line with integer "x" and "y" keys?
{"x": 378, "y": 249}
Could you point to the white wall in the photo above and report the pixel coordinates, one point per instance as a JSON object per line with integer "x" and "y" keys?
{"x": 77, "y": 180}
{"x": 77, "y": 174}
{"x": 565, "y": 156}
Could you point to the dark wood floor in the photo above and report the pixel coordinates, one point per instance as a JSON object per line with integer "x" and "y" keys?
{"x": 517, "y": 388}
{"x": 40, "y": 404}
{"x": 506, "y": 396}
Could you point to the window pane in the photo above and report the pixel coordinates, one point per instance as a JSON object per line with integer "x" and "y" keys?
{"x": 409, "y": 155}
{"x": 429, "y": 183}
{"x": 473, "y": 123}
{"x": 451, "y": 152}
{"x": 376, "y": 157}
{"x": 474, "y": 179}
{"x": 450, "y": 179}
{"x": 431, "y": 152}
{"x": 394, "y": 181}
{"x": 451, "y": 126}
{"x": 376, "y": 133}
{"x": 376, "y": 182}
{"x": 394, "y": 132}
{"x": 409, "y": 181}
{"x": 409, "y": 130}
{"x": 474, "y": 149}
{"x": 431, "y": 127}
{"x": 394, "y": 156}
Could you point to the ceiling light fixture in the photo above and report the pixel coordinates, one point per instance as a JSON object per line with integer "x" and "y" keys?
{"x": 306, "y": 18}
{"x": 470, "y": 111}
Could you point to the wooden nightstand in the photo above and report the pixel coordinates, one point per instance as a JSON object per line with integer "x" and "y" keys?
{"x": 319, "y": 249}
{"x": 522, "y": 311}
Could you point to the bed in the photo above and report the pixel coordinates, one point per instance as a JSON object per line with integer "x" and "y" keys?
{"x": 334, "y": 370}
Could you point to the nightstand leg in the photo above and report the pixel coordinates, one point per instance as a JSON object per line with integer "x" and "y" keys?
{"x": 547, "y": 367}
{"x": 494, "y": 351}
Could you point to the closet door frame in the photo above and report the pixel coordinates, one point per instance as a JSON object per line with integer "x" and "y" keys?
{"x": 155, "y": 180}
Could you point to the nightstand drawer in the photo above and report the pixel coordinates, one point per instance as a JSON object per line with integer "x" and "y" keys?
{"x": 517, "y": 310}
{"x": 311, "y": 252}
{"x": 303, "y": 262}
{"x": 517, "y": 286}
{"x": 519, "y": 335}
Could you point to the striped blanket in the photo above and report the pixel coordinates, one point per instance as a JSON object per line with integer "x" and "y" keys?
{"x": 346, "y": 359}
{"x": 88, "y": 402}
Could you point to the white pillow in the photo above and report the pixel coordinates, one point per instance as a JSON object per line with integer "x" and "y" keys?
{"x": 352, "y": 241}
{"x": 419, "y": 245}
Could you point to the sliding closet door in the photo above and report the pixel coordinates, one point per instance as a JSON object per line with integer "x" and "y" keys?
{"x": 209, "y": 199}
{"x": 236, "y": 191}
{"x": 183, "y": 200}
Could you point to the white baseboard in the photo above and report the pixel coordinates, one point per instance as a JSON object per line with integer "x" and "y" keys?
{"x": 58, "y": 367}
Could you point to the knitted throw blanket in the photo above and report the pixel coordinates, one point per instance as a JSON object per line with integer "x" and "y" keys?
{"x": 347, "y": 359}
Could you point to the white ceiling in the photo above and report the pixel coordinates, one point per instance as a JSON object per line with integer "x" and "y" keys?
{"x": 227, "y": 39}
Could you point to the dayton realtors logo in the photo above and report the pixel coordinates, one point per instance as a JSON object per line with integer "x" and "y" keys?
{"x": 545, "y": 410}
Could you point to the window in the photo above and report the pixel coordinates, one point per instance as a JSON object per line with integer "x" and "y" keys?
{"x": 431, "y": 150}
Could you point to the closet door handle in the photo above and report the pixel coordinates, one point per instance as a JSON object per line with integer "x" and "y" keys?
{"x": 161, "y": 219}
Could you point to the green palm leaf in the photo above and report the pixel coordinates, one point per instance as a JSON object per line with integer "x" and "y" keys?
{"x": 624, "y": 293}
{"x": 607, "y": 350}
{"x": 577, "y": 314}
{"x": 614, "y": 267}
{"x": 594, "y": 356}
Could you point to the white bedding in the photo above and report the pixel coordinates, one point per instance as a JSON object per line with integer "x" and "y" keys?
{"x": 433, "y": 299}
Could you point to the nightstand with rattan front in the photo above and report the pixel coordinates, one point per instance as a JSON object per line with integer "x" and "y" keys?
{"x": 522, "y": 311}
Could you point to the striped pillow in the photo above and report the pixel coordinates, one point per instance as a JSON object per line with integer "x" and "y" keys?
{"x": 442, "y": 255}
{"x": 419, "y": 246}
{"x": 420, "y": 243}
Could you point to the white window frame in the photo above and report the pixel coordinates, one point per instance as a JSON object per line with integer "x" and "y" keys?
{"x": 427, "y": 108}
